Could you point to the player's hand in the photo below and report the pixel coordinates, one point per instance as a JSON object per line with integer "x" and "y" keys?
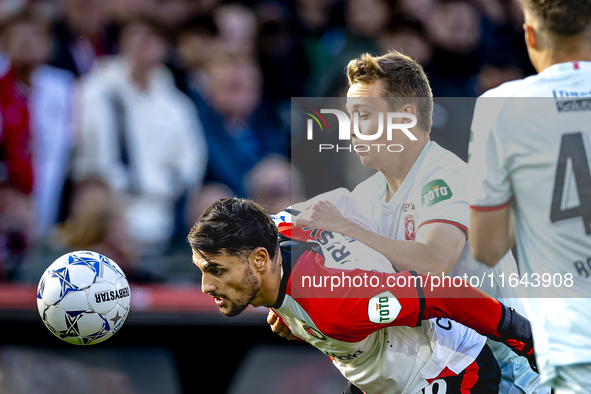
{"x": 322, "y": 215}
{"x": 279, "y": 327}
{"x": 515, "y": 332}
{"x": 524, "y": 350}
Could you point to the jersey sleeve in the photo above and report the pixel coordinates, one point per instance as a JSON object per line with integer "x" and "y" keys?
{"x": 365, "y": 301}
{"x": 444, "y": 199}
{"x": 490, "y": 184}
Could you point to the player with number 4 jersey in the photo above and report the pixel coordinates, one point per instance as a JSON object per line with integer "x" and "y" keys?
{"x": 531, "y": 155}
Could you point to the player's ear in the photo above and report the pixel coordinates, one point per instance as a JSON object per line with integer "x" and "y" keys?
{"x": 409, "y": 109}
{"x": 260, "y": 257}
{"x": 531, "y": 38}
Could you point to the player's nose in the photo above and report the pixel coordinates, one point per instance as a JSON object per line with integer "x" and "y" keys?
{"x": 207, "y": 286}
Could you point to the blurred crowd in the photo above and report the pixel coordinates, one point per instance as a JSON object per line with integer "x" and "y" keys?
{"x": 122, "y": 120}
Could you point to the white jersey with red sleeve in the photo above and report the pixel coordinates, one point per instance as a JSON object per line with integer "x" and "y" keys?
{"x": 531, "y": 150}
{"x": 434, "y": 190}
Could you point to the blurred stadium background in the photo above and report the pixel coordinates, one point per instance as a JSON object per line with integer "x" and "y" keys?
{"x": 122, "y": 120}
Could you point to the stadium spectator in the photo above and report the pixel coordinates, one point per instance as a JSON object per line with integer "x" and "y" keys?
{"x": 312, "y": 19}
{"x": 237, "y": 125}
{"x": 506, "y": 53}
{"x": 175, "y": 13}
{"x": 7, "y": 8}
{"x": 416, "y": 10}
{"x": 283, "y": 59}
{"x": 16, "y": 230}
{"x": 82, "y": 34}
{"x": 313, "y": 16}
{"x": 96, "y": 222}
{"x": 274, "y": 183}
{"x": 238, "y": 26}
{"x": 35, "y": 105}
{"x": 141, "y": 134}
{"x": 208, "y": 194}
{"x": 197, "y": 43}
{"x": 364, "y": 20}
{"x": 409, "y": 38}
{"x": 455, "y": 29}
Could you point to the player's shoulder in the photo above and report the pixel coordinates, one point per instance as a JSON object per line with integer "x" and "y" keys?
{"x": 559, "y": 76}
{"x": 441, "y": 168}
{"x": 508, "y": 89}
{"x": 537, "y": 85}
{"x": 442, "y": 161}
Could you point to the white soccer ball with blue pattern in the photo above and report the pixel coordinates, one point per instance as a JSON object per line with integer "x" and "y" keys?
{"x": 83, "y": 298}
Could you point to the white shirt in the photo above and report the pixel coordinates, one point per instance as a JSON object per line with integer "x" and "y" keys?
{"x": 531, "y": 150}
{"x": 166, "y": 145}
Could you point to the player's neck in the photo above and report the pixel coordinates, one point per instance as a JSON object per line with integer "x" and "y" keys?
{"x": 396, "y": 171}
{"x": 270, "y": 285}
{"x": 550, "y": 57}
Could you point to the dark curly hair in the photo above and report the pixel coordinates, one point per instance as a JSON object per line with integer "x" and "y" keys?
{"x": 234, "y": 226}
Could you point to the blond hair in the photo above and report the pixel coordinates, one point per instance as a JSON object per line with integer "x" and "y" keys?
{"x": 403, "y": 82}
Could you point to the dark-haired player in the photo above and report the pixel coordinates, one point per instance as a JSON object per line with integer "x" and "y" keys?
{"x": 373, "y": 333}
{"x": 532, "y": 156}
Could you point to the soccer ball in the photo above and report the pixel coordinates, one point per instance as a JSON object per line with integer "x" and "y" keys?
{"x": 83, "y": 298}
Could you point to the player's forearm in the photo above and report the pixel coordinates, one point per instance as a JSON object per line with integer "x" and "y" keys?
{"x": 473, "y": 308}
{"x": 484, "y": 314}
{"x": 404, "y": 255}
{"x": 462, "y": 303}
{"x": 491, "y": 235}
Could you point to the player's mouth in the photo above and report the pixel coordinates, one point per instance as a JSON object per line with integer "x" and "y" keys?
{"x": 220, "y": 301}
{"x": 356, "y": 142}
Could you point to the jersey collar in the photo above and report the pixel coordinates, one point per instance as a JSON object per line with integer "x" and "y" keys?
{"x": 285, "y": 274}
{"x": 561, "y": 68}
{"x": 408, "y": 181}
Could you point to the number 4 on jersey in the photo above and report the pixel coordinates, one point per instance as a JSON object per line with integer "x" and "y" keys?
{"x": 573, "y": 148}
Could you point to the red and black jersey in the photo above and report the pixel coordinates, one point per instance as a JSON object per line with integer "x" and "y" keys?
{"x": 387, "y": 332}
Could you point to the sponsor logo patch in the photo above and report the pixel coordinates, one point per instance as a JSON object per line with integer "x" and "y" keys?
{"x": 434, "y": 192}
{"x": 383, "y": 308}
{"x": 344, "y": 357}
{"x": 314, "y": 332}
{"x": 577, "y": 105}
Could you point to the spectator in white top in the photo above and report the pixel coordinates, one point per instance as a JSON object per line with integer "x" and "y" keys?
{"x": 140, "y": 133}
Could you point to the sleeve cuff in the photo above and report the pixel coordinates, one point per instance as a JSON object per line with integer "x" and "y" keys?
{"x": 491, "y": 207}
{"x": 457, "y": 224}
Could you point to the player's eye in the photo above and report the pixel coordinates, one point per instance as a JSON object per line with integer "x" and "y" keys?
{"x": 215, "y": 272}
{"x": 364, "y": 115}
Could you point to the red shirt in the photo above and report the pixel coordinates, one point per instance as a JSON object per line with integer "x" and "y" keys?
{"x": 16, "y": 137}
